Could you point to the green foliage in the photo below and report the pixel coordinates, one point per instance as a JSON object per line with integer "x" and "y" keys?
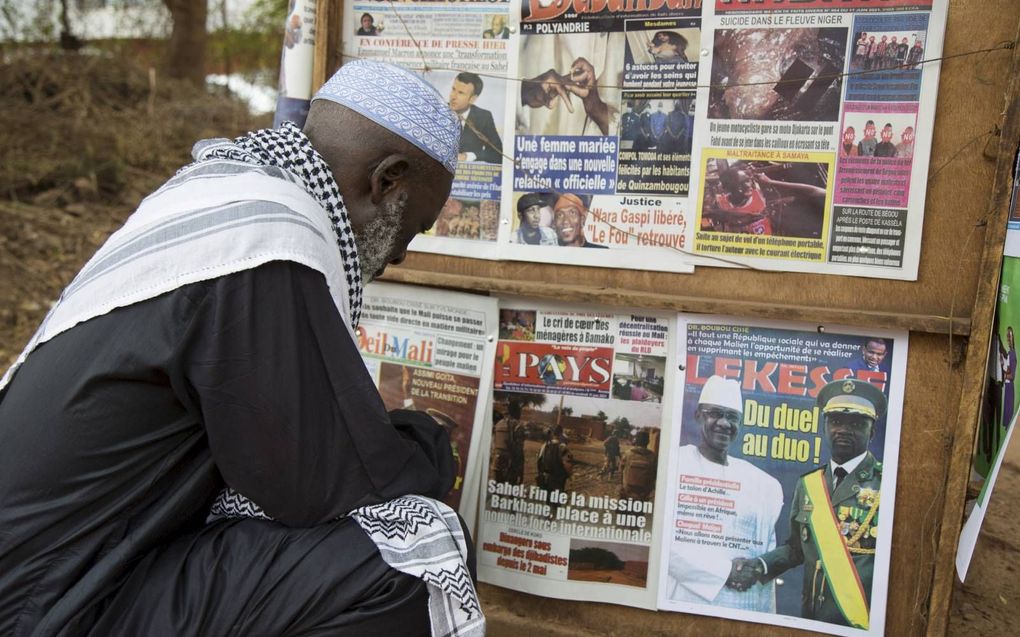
{"x": 267, "y": 16}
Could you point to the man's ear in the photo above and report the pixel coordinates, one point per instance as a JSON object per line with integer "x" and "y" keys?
{"x": 388, "y": 175}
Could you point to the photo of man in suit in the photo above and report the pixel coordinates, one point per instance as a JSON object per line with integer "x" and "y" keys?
{"x": 479, "y": 140}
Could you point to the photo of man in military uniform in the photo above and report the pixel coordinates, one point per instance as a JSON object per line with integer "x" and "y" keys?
{"x": 834, "y": 518}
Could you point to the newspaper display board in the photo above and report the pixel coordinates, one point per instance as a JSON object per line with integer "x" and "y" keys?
{"x": 603, "y": 134}
{"x": 800, "y": 167}
{"x": 569, "y": 505}
{"x": 464, "y": 44}
{"x": 773, "y": 498}
{"x": 434, "y": 356}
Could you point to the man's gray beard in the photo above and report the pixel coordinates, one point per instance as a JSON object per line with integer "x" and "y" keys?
{"x": 377, "y": 239}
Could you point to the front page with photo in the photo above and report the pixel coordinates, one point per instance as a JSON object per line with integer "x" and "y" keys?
{"x": 580, "y": 411}
{"x": 814, "y": 128}
{"x": 782, "y": 474}
{"x": 603, "y": 134}
{"x": 434, "y": 356}
{"x": 461, "y": 47}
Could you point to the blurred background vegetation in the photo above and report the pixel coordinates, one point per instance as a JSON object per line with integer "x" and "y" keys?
{"x": 100, "y": 102}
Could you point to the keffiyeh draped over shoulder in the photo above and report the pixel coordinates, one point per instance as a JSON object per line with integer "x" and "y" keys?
{"x": 414, "y": 534}
{"x": 289, "y": 151}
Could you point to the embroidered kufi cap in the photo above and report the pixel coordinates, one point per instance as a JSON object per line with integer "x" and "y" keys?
{"x": 852, "y": 396}
{"x": 722, "y": 392}
{"x": 399, "y": 101}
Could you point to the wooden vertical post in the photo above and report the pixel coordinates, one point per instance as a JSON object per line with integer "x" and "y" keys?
{"x": 982, "y": 324}
{"x": 328, "y": 40}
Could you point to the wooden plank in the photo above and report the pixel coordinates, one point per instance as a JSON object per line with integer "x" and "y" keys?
{"x": 964, "y": 432}
{"x": 323, "y": 25}
{"x": 960, "y": 326}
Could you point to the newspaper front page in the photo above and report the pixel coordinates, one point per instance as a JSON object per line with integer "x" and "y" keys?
{"x": 801, "y": 167}
{"x": 434, "y": 356}
{"x": 603, "y": 133}
{"x": 569, "y": 506}
{"x": 754, "y": 486}
{"x": 461, "y": 47}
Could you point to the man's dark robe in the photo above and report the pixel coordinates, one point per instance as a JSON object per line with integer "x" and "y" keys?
{"x": 116, "y": 435}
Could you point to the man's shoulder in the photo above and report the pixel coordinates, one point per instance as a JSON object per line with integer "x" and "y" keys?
{"x": 760, "y": 475}
{"x": 479, "y": 112}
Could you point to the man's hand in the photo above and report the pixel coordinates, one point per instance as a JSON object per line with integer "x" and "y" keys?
{"x": 542, "y": 90}
{"x": 744, "y": 573}
{"x": 583, "y": 83}
{"x": 582, "y": 78}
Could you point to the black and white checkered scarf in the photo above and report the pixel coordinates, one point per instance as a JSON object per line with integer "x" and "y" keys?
{"x": 290, "y": 149}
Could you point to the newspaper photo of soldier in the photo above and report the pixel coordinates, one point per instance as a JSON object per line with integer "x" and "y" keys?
{"x": 608, "y": 562}
{"x": 571, "y": 466}
{"x": 777, "y": 74}
{"x": 656, "y": 134}
{"x": 658, "y": 121}
{"x": 594, "y": 448}
{"x": 786, "y": 199}
{"x": 450, "y": 399}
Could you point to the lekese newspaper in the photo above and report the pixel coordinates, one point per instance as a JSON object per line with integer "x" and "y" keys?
{"x": 782, "y": 474}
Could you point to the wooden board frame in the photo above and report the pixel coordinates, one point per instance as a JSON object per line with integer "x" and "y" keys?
{"x": 949, "y": 312}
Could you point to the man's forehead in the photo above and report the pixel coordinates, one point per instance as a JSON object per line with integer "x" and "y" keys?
{"x": 710, "y": 406}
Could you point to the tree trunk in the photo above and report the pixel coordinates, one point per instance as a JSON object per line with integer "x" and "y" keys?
{"x": 68, "y": 41}
{"x": 186, "y": 56}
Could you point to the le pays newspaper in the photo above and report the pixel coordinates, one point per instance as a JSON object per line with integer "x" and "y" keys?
{"x": 659, "y": 134}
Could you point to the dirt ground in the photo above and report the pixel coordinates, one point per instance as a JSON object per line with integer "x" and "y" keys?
{"x": 986, "y": 605}
{"x": 56, "y": 208}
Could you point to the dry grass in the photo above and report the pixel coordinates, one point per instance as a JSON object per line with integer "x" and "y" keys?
{"x": 82, "y": 139}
